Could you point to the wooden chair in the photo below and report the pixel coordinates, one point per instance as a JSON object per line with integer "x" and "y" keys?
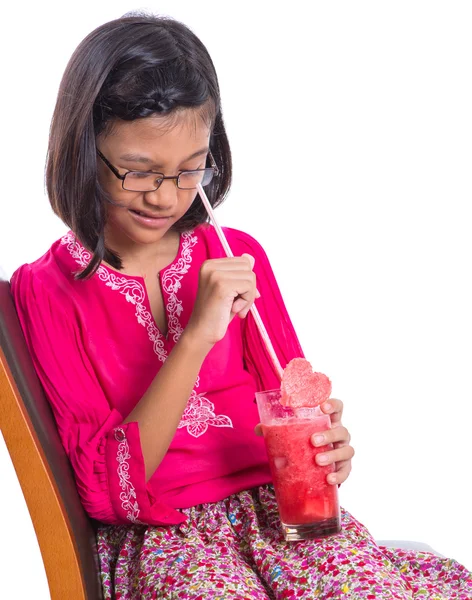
{"x": 65, "y": 533}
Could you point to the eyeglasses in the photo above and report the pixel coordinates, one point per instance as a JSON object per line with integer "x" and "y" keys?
{"x": 149, "y": 181}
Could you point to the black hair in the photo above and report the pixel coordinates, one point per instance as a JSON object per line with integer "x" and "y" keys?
{"x": 130, "y": 68}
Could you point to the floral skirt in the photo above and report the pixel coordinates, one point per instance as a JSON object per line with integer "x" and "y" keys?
{"x": 234, "y": 548}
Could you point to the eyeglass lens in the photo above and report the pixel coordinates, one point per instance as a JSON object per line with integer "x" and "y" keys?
{"x": 145, "y": 182}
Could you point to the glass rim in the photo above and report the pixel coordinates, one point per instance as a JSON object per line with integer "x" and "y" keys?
{"x": 269, "y": 391}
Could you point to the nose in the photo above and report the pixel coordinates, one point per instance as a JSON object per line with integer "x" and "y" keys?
{"x": 165, "y": 197}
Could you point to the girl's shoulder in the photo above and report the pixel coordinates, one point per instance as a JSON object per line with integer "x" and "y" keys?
{"x": 49, "y": 275}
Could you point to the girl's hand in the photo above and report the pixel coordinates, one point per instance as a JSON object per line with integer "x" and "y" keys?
{"x": 226, "y": 287}
{"x": 339, "y": 436}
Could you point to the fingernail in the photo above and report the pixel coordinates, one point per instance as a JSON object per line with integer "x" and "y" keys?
{"x": 322, "y": 458}
{"x": 332, "y": 478}
{"x": 327, "y": 406}
{"x": 318, "y": 440}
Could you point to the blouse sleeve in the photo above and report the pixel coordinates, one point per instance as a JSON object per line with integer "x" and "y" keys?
{"x": 273, "y": 313}
{"x": 105, "y": 454}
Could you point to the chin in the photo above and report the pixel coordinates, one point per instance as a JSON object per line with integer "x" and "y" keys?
{"x": 131, "y": 232}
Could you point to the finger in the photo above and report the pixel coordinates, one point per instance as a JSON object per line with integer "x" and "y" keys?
{"x": 241, "y": 307}
{"x": 334, "y": 456}
{"x": 330, "y": 436}
{"x": 244, "y": 293}
{"x": 238, "y": 305}
{"x": 238, "y": 282}
{"x": 341, "y": 444}
{"x": 227, "y": 264}
{"x": 239, "y": 287}
{"x": 246, "y": 262}
{"x": 258, "y": 429}
{"x": 343, "y": 469}
{"x": 334, "y": 408}
{"x": 250, "y": 259}
{"x": 244, "y": 313}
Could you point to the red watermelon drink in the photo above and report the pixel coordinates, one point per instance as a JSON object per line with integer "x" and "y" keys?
{"x": 308, "y": 504}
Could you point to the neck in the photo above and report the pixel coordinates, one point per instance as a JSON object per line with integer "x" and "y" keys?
{"x": 139, "y": 259}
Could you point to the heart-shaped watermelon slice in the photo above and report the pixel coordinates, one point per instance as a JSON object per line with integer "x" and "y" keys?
{"x": 302, "y": 387}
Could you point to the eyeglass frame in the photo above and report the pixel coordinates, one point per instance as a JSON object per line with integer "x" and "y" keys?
{"x": 116, "y": 173}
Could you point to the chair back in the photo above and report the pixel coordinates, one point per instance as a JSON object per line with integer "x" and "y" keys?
{"x": 66, "y": 535}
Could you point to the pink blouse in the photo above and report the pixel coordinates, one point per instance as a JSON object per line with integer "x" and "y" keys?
{"x": 96, "y": 349}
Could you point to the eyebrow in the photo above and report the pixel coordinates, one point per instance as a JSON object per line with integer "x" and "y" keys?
{"x": 136, "y": 158}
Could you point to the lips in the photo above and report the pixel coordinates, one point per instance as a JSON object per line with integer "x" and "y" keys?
{"x": 148, "y": 215}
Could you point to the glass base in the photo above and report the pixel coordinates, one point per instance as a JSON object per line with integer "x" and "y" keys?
{"x": 311, "y": 531}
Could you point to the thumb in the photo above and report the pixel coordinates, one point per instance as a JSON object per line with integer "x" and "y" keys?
{"x": 251, "y": 259}
{"x": 258, "y": 429}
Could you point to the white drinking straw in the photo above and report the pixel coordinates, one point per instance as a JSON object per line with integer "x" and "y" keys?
{"x": 254, "y": 311}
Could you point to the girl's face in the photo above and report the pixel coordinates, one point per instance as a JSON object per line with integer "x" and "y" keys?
{"x": 150, "y": 145}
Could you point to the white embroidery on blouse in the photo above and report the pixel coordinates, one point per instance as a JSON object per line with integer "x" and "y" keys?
{"x": 131, "y": 289}
{"x": 171, "y": 279}
{"x": 128, "y": 495}
{"x": 199, "y": 414}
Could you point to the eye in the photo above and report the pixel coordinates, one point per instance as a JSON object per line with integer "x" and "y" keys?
{"x": 141, "y": 175}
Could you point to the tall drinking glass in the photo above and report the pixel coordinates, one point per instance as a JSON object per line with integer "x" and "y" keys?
{"x": 308, "y": 504}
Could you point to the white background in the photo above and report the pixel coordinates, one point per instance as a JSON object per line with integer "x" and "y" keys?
{"x": 351, "y": 129}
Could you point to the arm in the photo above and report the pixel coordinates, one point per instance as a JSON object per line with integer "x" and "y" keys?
{"x": 113, "y": 458}
{"x": 226, "y": 287}
{"x": 104, "y": 453}
{"x": 159, "y": 411}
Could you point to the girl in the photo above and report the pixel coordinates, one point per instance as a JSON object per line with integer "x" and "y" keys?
{"x": 139, "y": 330}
